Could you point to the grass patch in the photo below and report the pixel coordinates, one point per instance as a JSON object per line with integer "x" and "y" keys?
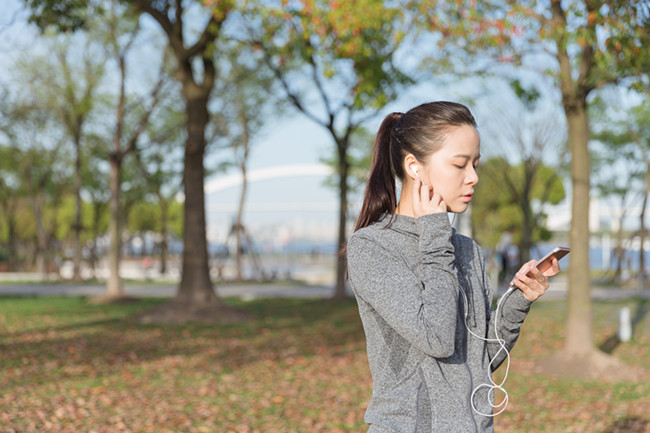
{"x": 68, "y": 366}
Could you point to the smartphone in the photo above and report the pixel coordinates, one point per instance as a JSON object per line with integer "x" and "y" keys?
{"x": 545, "y": 262}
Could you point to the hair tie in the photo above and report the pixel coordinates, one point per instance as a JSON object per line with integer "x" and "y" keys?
{"x": 397, "y": 116}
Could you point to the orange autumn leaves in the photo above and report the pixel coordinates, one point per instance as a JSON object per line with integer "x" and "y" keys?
{"x": 345, "y": 29}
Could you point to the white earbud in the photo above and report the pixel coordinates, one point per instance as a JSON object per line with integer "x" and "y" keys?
{"x": 414, "y": 168}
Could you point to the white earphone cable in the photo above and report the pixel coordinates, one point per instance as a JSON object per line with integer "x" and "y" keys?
{"x": 492, "y": 386}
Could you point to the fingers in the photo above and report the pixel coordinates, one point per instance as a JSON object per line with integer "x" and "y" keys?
{"x": 426, "y": 200}
{"x": 554, "y": 269}
{"x": 425, "y": 192}
{"x": 531, "y": 281}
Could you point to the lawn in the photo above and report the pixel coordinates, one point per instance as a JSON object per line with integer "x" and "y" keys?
{"x": 69, "y": 366}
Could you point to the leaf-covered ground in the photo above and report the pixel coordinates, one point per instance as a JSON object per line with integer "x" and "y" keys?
{"x": 68, "y": 366}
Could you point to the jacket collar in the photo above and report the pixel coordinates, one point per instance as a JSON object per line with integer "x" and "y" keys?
{"x": 402, "y": 223}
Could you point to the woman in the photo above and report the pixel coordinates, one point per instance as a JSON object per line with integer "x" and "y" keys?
{"x": 424, "y": 297}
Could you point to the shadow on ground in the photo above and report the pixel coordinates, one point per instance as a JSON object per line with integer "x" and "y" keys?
{"x": 629, "y": 425}
{"x": 612, "y": 342}
{"x": 88, "y": 346}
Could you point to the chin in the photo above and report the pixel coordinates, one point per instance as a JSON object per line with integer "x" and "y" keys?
{"x": 459, "y": 208}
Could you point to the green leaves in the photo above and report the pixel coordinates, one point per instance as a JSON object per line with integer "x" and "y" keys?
{"x": 502, "y": 194}
{"x": 351, "y": 43}
{"x": 64, "y": 15}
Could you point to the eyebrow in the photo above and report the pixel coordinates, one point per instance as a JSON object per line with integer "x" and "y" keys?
{"x": 460, "y": 155}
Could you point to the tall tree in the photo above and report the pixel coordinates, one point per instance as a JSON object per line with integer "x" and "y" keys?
{"x": 624, "y": 133}
{"x": 639, "y": 130}
{"x": 160, "y": 161}
{"x": 504, "y": 198}
{"x": 195, "y": 70}
{"x": 10, "y": 191}
{"x": 77, "y": 94}
{"x": 65, "y": 81}
{"x": 616, "y": 167}
{"x": 11, "y": 186}
{"x": 584, "y": 45}
{"x": 527, "y": 145}
{"x": 35, "y": 165}
{"x": 245, "y": 103}
{"x": 344, "y": 52}
{"x": 120, "y": 28}
{"x": 95, "y": 181}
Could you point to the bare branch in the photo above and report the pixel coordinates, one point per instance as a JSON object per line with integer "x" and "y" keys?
{"x": 175, "y": 38}
{"x": 293, "y": 97}
{"x": 155, "y": 99}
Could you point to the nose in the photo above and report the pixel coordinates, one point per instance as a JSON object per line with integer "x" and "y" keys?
{"x": 472, "y": 177}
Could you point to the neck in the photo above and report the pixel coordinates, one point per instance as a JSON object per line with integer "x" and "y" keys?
{"x": 405, "y": 205}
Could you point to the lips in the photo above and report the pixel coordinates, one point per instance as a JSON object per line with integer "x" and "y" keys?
{"x": 467, "y": 197}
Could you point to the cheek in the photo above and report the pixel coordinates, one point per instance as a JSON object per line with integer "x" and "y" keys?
{"x": 442, "y": 181}
{"x": 443, "y": 176}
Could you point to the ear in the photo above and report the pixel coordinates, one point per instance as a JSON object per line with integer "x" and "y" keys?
{"x": 411, "y": 166}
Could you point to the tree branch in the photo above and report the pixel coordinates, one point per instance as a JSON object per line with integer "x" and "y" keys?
{"x": 175, "y": 39}
{"x": 293, "y": 97}
{"x": 208, "y": 35}
{"x": 144, "y": 120}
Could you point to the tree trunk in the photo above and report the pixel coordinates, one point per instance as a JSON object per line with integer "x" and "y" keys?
{"x": 525, "y": 243}
{"x": 242, "y": 151}
{"x": 341, "y": 263}
{"x": 195, "y": 287}
{"x": 239, "y": 225}
{"x": 76, "y": 260}
{"x": 164, "y": 210}
{"x": 114, "y": 287}
{"x": 641, "y": 279}
{"x": 97, "y": 211}
{"x": 14, "y": 262}
{"x": 579, "y": 338}
{"x": 41, "y": 237}
{"x": 619, "y": 252}
{"x": 580, "y": 358}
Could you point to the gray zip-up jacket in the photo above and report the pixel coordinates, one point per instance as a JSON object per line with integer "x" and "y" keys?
{"x": 407, "y": 276}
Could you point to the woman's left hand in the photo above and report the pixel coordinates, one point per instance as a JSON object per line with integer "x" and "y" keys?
{"x": 535, "y": 284}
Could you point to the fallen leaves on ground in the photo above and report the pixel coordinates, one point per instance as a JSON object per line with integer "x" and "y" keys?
{"x": 301, "y": 366}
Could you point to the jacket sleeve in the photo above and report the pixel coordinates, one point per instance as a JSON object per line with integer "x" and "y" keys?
{"x": 513, "y": 309}
{"x": 419, "y": 302}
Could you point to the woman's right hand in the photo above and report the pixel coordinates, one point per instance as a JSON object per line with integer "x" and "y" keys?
{"x": 426, "y": 200}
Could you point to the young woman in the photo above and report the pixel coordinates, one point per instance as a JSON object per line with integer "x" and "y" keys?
{"x": 424, "y": 297}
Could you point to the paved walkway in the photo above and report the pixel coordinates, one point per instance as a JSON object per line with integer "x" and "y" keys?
{"x": 153, "y": 289}
{"x": 558, "y": 290}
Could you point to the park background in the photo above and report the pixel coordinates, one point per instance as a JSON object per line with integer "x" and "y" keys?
{"x": 107, "y": 106}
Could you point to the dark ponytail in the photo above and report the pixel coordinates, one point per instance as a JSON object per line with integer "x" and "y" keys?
{"x": 380, "y": 196}
{"x": 421, "y": 132}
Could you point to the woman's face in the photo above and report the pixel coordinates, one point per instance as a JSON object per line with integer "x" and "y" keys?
{"x": 452, "y": 170}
